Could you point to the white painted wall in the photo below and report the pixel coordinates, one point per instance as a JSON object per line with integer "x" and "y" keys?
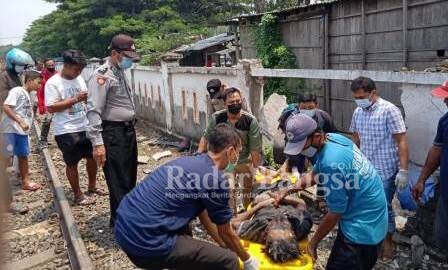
{"x": 422, "y": 110}
{"x": 88, "y": 71}
{"x": 183, "y": 80}
{"x": 172, "y": 81}
{"x": 146, "y": 83}
{"x": 422, "y": 116}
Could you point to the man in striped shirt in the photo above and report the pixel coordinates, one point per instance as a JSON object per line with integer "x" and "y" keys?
{"x": 378, "y": 128}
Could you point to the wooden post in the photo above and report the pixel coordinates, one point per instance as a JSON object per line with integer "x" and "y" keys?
{"x": 326, "y": 52}
{"x": 363, "y": 37}
{"x": 405, "y": 33}
{"x": 237, "y": 43}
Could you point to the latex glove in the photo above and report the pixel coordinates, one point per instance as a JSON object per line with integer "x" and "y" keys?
{"x": 295, "y": 172}
{"x": 401, "y": 180}
{"x": 251, "y": 264}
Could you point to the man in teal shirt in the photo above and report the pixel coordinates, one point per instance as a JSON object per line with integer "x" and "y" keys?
{"x": 353, "y": 191}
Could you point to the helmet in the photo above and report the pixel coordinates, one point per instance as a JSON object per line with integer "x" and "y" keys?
{"x": 17, "y": 57}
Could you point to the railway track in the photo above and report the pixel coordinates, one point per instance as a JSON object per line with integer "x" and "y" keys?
{"x": 56, "y": 233}
{"x": 47, "y": 236}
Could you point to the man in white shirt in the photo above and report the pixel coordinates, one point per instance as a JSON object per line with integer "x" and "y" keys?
{"x": 65, "y": 97}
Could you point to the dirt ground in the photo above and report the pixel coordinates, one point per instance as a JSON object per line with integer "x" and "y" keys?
{"x": 93, "y": 221}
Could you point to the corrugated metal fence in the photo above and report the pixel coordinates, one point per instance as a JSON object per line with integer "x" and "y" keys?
{"x": 359, "y": 35}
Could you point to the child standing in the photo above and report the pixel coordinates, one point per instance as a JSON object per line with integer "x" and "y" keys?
{"x": 16, "y": 122}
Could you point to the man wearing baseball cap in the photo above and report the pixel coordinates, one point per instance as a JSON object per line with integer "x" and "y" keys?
{"x": 438, "y": 157}
{"x": 215, "y": 100}
{"x": 111, "y": 115}
{"x": 353, "y": 191}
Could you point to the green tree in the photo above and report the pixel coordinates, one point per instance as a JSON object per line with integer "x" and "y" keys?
{"x": 157, "y": 25}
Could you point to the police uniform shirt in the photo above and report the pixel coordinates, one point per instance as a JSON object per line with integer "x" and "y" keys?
{"x": 110, "y": 98}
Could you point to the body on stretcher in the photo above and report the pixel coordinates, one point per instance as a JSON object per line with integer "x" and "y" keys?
{"x": 304, "y": 262}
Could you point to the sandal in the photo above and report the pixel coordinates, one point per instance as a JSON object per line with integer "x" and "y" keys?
{"x": 32, "y": 187}
{"x": 85, "y": 200}
{"x": 98, "y": 191}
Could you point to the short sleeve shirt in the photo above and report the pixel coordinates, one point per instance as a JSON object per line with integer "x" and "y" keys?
{"x": 441, "y": 140}
{"x": 376, "y": 127}
{"x": 20, "y": 99}
{"x": 353, "y": 189}
{"x": 150, "y": 216}
{"x": 73, "y": 119}
{"x": 248, "y": 128}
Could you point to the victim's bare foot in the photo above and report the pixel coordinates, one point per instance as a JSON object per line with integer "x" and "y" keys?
{"x": 388, "y": 252}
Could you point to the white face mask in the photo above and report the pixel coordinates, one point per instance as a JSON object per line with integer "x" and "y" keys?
{"x": 363, "y": 103}
{"x": 309, "y": 152}
{"x": 19, "y": 69}
{"x": 310, "y": 113}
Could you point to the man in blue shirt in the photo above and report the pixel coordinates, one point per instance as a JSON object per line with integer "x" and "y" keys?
{"x": 353, "y": 191}
{"x": 438, "y": 156}
{"x": 152, "y": 225}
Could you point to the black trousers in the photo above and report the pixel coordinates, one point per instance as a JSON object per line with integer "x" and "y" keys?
{"x": 45, "y": 129}
{"x": 188, "y": 254}
{"x": 120, "y": 168}
{"x": 346, "y": 255}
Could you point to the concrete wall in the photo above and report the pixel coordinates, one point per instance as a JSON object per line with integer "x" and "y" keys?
{"x": 190, "y": 99}
{"x": 152, "y": 99}
{"x": 422, "y": 115}
{"x": 175, "y": 98}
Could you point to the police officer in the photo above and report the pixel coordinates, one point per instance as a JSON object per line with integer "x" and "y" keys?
{"x": 111, "y": 115}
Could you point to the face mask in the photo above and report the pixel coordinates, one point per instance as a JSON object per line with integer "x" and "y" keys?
{"x": 125, "y": 63}
{"x": 230, "y": 168}
{"x": 234, "y": 108}
{"x": 310, "y": 113}
{"x": 309, "y": 152}
{"x": 51, "y": 69}
{"x": 19, "y": 69}
{"x": 363, "y": 103}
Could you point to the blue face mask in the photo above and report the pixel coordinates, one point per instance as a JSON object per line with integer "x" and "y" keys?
{"x": 126, "y": 63}
{"x": 309, "y": 152}
{"x": 230, "y": 168}
{"x": 310, "y": 113}
{"x": 363, "y": 103}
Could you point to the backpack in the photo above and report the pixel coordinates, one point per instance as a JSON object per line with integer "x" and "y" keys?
{"x": 291, "y": 109}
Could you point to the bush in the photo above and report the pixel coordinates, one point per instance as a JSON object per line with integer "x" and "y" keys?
{"x": 274, "y": 54}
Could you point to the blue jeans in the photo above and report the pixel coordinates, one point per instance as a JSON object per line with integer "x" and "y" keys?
{"x": 389, "y": 190}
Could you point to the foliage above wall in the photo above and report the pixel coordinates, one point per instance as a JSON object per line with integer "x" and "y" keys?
{"x": 274, "y": 54}
{"x": 157, "y": 25}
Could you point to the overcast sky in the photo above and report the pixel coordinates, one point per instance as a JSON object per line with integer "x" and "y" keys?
{"x": 17, "y": 15}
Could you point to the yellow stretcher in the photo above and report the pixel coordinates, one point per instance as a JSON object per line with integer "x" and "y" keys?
{"x": 304, "y": 262}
